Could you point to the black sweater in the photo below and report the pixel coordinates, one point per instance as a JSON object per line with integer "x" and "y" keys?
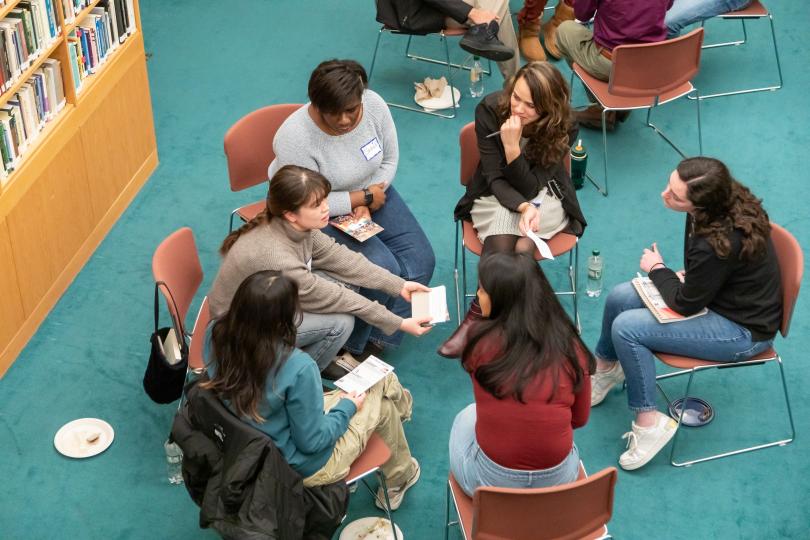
{"x": 517, "y": 182}
{"x": 748, "y": 293}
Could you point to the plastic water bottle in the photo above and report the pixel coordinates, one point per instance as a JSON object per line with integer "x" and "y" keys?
{"x": 476, "y": 77}
{"x": 579, "y": 162}
{"x": 595, "y": 266}
{"x": 174, "y": 462}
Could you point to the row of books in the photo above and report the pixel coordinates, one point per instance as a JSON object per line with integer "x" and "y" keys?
{"x": 97, "y": 35}
{"x": 27, "y": 30}
{"x": 73, "y": 7}
{"x": 25, "y": 114}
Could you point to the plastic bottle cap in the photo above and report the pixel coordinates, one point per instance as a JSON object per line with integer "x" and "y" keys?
{"x": 578, "y": 147}
{"x": 595, "y": 253}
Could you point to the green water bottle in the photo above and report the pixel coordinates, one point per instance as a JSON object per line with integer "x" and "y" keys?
{"x": 579, "y": 162}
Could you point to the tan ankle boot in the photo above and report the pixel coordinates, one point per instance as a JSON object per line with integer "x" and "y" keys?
{"x": 529, "y": 41}
{"x": 563, "y": 12}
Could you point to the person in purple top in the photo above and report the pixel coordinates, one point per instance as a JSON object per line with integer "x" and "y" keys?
{"x": 616, "y": 22}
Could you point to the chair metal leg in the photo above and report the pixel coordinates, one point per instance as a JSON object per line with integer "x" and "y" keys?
{"x": 455, "y": 273}
{"x": 727, "y": 43}
{"x": 661, "y": 133}
{"x": 752, "y": 90}
{"x": 604, "y": 148}
{"x": 387, "y": 504}
{"x": 230, "y": 221}
{"x": 692, "y": 373}
{"x": 446, "y": 62}
{"x": 573, "y": 263}
{"x": 374, "y": 57}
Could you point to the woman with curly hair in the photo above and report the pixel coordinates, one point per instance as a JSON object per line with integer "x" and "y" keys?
{"x": 730, "y": 269}
{"x": 524, "y": 135}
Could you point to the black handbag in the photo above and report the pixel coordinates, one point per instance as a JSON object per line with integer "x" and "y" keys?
{"x": 162, "y": 381}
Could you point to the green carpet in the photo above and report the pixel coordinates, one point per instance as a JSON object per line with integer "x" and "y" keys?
{"x": 212, "y": 62}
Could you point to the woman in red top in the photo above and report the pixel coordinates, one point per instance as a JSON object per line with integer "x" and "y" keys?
{"x": 530, "y": 373}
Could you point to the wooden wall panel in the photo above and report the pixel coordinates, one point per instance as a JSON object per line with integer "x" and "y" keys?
{"x": 118, "y": 138}
{"x": 11, "y": 309}
{"x": 50, "y": 223}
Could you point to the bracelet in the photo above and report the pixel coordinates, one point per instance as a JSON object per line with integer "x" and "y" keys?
{"x": 656, "y": 264}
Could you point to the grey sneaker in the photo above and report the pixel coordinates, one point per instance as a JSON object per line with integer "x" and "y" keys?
{"x": 644, "y": 443}
{"x": 603, "y": 381}
{"x": 396, "y": 494}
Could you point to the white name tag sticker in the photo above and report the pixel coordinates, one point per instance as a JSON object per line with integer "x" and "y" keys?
{"x": 371, "y": 149}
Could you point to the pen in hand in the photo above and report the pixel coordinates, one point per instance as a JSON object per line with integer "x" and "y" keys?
{"x": 493, "y": 134}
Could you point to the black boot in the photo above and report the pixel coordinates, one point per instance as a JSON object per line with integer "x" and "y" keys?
{"x": 482, "y": 40}
{"x": 454, "y": 346}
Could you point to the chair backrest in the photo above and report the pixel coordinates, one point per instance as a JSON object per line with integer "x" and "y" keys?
{"x": 468, "y": 141}
{"x": 196, "y": 359}
{"x": 564, "y": 512}
{"x": 176, "y": 265}
{"x": 652, "y": 69}
{"x": 791, "y": 267}
{"x": 470, "y": 157}
{"x": 249, "y": 144}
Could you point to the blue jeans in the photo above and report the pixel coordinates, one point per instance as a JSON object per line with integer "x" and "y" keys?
{"x": 321, "y": 335}
{"x": 686, "y": 12}
{"x": 630, "y": 333}
{"x": 402, "y": 249}
{"x": 473, "y": 469}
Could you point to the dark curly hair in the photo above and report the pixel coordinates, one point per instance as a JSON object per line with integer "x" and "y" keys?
{"x": 548, "y": 135}
{"x": 722, "y": 204}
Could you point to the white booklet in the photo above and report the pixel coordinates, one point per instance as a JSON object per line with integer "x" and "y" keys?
{"x": 364, "y": 376}
{"x": 431, "y": 304}
{"x": 542, "y": 247}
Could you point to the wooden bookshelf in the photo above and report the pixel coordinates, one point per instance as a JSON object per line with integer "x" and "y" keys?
{"x": 73, "y": 181}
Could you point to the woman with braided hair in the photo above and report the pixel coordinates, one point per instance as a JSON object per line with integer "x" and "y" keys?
{"x": 730, "y": 268}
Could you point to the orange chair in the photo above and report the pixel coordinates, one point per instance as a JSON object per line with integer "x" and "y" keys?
{"x": 249, "y": 151}
{"x": 575, "y": 511}
{"x": 560, "y": 243}
{"x": 443, "y": 35}
{"x": 196, "y": 361}
{"x": 178, "y": 274}
{"x": 756, "y": 10}
{"x": 644, "y": 76}
{"x": 373, "y": 457}
{"x": 791, "y": 266}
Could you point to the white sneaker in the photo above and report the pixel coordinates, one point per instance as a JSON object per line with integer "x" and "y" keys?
{"x": 603, "y": 381}
{"x": 644, "y": 443}
{"x": 396, "y": 494}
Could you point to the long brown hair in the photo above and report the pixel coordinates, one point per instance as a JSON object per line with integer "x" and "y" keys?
{"x": 538, "y": 337}
{"x": 548, "y": 135}
{"x": 253, "y": 338}
{"x": 290, "y": 188}
{"x": 722, "y": 204}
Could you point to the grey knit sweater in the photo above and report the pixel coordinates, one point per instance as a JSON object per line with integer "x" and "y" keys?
{"x": 350, "y": 162}
{"x": 278, "y": 246}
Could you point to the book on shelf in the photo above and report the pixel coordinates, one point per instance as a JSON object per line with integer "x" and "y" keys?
{"x": 652, "y": 298}
{"x": 361, "y": 229}
{"x": 25, "y": 33}
{"x": 24, "y": 115}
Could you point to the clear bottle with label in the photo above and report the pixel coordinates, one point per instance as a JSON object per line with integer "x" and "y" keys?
{"x": 595, "y": 267}
{"x": 174, "y": 462}
{"x": 473, "y": 63}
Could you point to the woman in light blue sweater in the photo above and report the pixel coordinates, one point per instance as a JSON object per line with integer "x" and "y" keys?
{"x": 347, "y": 134}
{"x": 256, "y": 370}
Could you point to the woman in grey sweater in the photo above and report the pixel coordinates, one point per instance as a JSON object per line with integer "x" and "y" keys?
{"x": 287, "y": 237}
{"x": 347, "y": 134}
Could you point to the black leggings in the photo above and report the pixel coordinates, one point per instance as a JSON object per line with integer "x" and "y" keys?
{"x": 507, "y": 243}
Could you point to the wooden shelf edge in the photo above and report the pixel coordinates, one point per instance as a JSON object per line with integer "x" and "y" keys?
{"x": 72, "y": 269}
{"x": 71, "y": 26}
{"x": 29, "y": 71}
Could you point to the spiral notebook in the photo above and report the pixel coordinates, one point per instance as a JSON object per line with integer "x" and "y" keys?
{"x": 652, "y": 298}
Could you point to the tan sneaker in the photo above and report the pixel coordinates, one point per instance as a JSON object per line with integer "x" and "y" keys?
{"x": 603, "y": 381}
{"x": 644, "y": 443}
{"x": 396, "y": 494}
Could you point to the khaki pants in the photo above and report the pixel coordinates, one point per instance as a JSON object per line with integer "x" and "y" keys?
{"x": 576, "y": 44}
{"x": 506, "y": 31}
{"x": 387, "y": 405}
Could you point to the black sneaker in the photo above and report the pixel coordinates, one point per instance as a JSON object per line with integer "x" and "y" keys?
{"x": 482, "y": 40}
{"x": 333, "y": 372}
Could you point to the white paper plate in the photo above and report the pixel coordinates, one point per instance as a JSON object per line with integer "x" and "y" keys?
{"x": 445, "y": 101}
{"x": 369, "y": 528}
{"x": 71, "y": 441}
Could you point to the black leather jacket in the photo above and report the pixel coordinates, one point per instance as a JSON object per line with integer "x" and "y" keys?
{"x": 243, "y": 485}
{"x": 420, "y": 16}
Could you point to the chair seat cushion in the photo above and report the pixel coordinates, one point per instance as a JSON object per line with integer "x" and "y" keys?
{"x": 559, "y": 244}
{"x": 375, "y": 454}
{"x": 685, "y": 362}
{"x": 755, "y": 10}
{"x": 250, "y": 211}
{"x": 611, "y": 101}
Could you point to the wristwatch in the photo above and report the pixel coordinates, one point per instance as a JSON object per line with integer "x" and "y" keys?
{"x": 368, "y": 197}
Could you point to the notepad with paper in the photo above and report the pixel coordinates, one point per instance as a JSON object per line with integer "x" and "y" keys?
{"x": 364, "y": 376}
{"x": 652, "y": 298}
{"x": 431, "y": 304}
